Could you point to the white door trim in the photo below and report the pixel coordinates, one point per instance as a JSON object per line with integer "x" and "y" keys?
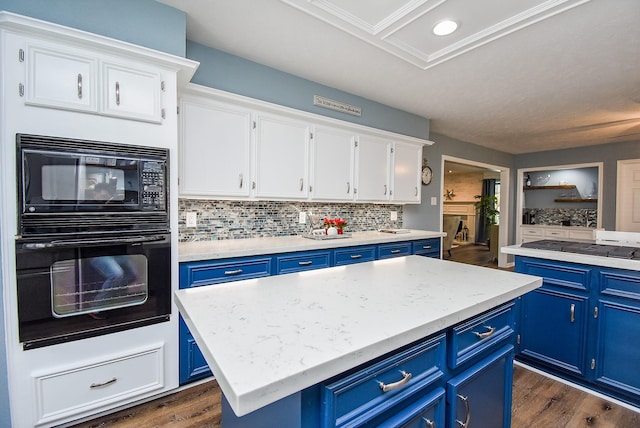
{"x": 621, "y": 189}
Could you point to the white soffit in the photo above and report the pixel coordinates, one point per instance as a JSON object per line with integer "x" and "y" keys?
{"x": 404, "y": 27}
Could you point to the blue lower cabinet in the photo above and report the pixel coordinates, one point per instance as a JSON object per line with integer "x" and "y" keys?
{"x": 351, "y": 255}
{"x": 427, "y": 247}
{"x": 480, "y": 397}
{"x": 193, "y": 366}
{"x": 427, "y": 412}
{"x": 304, "y": 260}
{"x": 397, "y": 249}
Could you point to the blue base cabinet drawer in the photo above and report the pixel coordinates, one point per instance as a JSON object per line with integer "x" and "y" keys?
{"x": 475, "y": 336}
{"x": 398, "y": 249}
{"x": 350, "y": 255}
{"x": 427, "y": 247}
{"x": 197, "y": 274}
{"x": 307, "y": 260}
{"x": 381, "y": 389}
{"x": 427, "y": 412}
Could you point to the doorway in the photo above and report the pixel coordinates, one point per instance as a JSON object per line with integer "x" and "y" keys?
{"x": 462, "y": 180}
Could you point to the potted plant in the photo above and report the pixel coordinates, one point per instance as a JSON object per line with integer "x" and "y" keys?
{"x": 486, "y": 208}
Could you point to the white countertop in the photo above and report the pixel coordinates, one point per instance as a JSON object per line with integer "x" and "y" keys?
{"x": 268, "y": 338}
{"x": 209, "y": 250}
{"x": 611, "y": 262}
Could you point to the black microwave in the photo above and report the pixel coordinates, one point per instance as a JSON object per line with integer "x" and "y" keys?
{"x": 83, "y": 186}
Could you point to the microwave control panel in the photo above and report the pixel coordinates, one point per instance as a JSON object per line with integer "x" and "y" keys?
{"x": 153, "y": 186}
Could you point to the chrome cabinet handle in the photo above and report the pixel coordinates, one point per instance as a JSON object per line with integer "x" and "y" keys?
{"x": 348, "y": 187}
{"x": 385, "y": 189}
{"x": 572, "y": 312}
{"x": 301, "y": 184}
{"x": 429, "y": 423}
{"x": 307, "y": 263}
{"x": 395, "y": 251}
{"x": 100, "y": 385}
{"x": 426, "y": 247}
{"x": 416, "y": 193}
{"x": 465, "y": 424}
{"x": 240, "y": 176}
{"x": 79, "y": 86}
{"x": 487, "y": 333}
{"x": 117, "y": 93}
{"x": 395, "y": 385}
{"x": 356, "y": 256}
{"x": 233, "y": 272}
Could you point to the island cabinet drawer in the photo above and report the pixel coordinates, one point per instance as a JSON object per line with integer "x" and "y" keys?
{"x": 347, "y": 256}
{"x": 397, "y": 249}
{"x": 479, "y": 334}
{"x": 383, "y": 388}
{"x": 79, "y": 389}
{"x": 620, "y": 283}
{"x": 557, "y": 274}
{"x": 306, "y": 260}
{"x": 427, "y": 247}
{"x": 196, "y": 274}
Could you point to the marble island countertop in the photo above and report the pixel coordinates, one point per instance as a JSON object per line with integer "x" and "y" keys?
{"x": 209, "y": 250}
{"x": 267, "y": 338}
{"x": 586, "y": 259}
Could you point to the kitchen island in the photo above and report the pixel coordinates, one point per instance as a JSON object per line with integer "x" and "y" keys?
{"x": 271, "y": 341}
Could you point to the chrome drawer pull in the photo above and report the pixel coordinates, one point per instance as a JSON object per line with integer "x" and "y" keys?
{"x": 572, "y": 313}
{"x": 233, "y": 272}
{"x": 100, "y": 385}
{"x": 487, "y": 333}
{"x": 356, "y": 256}
{"x": 426, "y": 247}
{"x": 395, "y": 385}
{"x": 465, "y": 424}
{"x": 307, "y": 263}
{"x": 117, "y": 93}
{"x": 79, "y": 86}
{"x": 395, "y": 251}
{"x": 429, "y": 423}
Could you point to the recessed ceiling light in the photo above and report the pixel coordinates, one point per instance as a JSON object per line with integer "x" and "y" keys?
{"x": 445, "y": 27}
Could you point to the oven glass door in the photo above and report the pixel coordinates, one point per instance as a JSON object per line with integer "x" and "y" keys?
{"x": 74, "y": 289}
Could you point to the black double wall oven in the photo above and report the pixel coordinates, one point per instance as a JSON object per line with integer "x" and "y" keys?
{"x": 93, "y": 246}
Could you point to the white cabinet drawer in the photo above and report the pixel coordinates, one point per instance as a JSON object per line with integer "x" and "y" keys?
{"x": 555, "y": 233}
{"x": 532, "y": 231}
{"x": 72, "y": 390}
{"x": 582, "y": 234}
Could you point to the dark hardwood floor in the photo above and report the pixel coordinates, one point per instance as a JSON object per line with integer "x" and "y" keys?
{"x": 538, "y": 401}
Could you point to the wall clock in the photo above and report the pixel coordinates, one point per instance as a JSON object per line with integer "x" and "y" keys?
{"x": 427, "y": 175}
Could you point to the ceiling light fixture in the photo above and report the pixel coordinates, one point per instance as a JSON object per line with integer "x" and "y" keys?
{"x": 444, "y": 28}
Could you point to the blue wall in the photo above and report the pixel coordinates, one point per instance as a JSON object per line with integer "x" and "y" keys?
{"x": 230, "y": 73}
{"x": 142, "y": 22}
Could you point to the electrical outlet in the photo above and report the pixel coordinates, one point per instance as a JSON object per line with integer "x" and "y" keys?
{"x": 192, "y": 219}
{"x": 302, "y": 217}
{"x": 394, "y": 215}
{"x": 434, "y": 200}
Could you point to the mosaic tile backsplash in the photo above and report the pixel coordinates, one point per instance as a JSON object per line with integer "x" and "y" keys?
{"x": 254, "y": 219}
{"x": 555, "y": 216}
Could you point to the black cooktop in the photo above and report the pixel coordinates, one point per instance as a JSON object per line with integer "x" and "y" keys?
{"x": 585, "y": 248}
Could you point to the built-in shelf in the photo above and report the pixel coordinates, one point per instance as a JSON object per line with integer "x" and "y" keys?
{"x": 561, "y": 186}
{"x": 576, "y": 200}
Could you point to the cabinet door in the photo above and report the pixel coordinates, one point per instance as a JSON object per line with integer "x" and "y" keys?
{"x": 372, "y": 169}
{"x": 480, "y": 397}
{"x": 553, "y": 329}
{"x": 215, "y": 141}
{"x": 282, "y": 149}
{"x": 131, "y": 91}
{"x": 427, "y": 412}
{"x": 61, "y": 78}
{"x": 618, "y": 356}
{"x": 407, "y": 162}
{"x": 332, "y": 160}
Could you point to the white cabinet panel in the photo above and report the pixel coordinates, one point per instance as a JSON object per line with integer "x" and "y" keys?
{"x": 215, "y": 141}
{"x": 282, "y": 149}
{"x": 407, "y": 162}
{"x": 372, "y": 169}
{"x": 59, "y": 78}
{"x": 132, "y": 92}
{"x": 332, "y": 164}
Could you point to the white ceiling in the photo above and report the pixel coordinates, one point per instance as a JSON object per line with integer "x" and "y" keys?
{"x": 518, "y": 76}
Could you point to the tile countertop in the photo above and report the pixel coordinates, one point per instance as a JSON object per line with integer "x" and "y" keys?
{"x": 585, "y": 259}
{"x": 209, "y": 250}
{"x": 270, "y": 337}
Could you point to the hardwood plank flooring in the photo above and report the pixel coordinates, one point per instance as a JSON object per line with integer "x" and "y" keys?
{"x": 538, "y": 401}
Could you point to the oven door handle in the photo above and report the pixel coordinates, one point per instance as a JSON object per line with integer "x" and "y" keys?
{"x": 100, "y": 241}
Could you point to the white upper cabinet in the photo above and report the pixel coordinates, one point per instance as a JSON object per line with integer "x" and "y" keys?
{"x": 372, "y": 169}
{"x": 332, "y": 164}
{"x": 215, "y": 142}
{"x": 407, "y": 163}
{"x": 132, "y": 92}
{"x": 60, "y": 78}
{"x": 87, "y": 81}
{"x": 282, "y": 153}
